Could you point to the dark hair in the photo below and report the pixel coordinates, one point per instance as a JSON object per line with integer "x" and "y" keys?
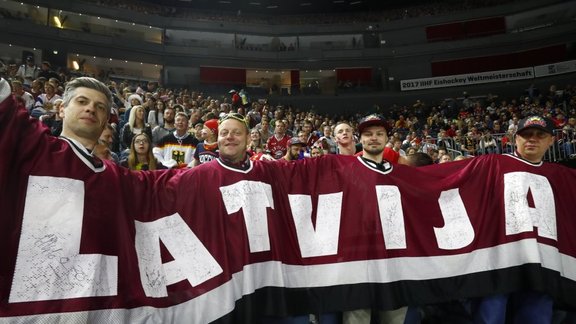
{"x": 419, "y": 159}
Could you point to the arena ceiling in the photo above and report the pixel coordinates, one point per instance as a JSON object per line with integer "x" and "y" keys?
{"x": 288, "y": 7}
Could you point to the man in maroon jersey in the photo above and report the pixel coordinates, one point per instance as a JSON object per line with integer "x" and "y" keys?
{"x": 277, "y": 144}
{"x": 535, "y": 135}
{"x": 388, "y": 154}
{"x": 373, "y": 137}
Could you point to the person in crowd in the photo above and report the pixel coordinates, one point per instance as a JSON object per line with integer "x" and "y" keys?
{"x": 417, "y": 159}
{"x": 133, "y": 100}
{"x": 110, "y": 138}
{"x": 534, "y": 136}
{"x": 37, "y": 88}
{"x": 328, "y": 138}
{"x": 136, "y": 125}
{"x": 156, "y": 114}
{"x": 167, "y": 126}
{"x": 487, "y": 143}
{"x": 28, "y": 71}
{"x": 295, "y": 148}
{"x": 141, "y": 157}
{"x": 256, "y": 144}
{"x": 18, "y": 90}
{"x": 397, "y": 147}
{"x": 444, "y": 158}
{"x": 265, "y": 130}
{"x": 308, "y": 129}
{"x": 207, "y": 150}
{"x": 388, "y": 153}
{"x": 316, "y": 151}
{"x": 45, "y": 102}
{"x": 176, "y": 150}
{"x": 373, "y": 137}
{"x": 53, "y": 118}
{"x": 102, "y": 151}
{"x": 277, "y": 144}
{"x": 47, "y": 73}
{"x": 412, "y": 150}
{"x": 344, "y": 134}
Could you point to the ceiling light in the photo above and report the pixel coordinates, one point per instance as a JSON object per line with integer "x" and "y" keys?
{"x": 254, "y": 3}
{"x": 355, "y": 2}
{"x": 272, "y": 7}
{"x": 304, "y": 4}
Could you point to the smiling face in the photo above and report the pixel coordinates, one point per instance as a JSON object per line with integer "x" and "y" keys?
{"x": 232, "y": 140}
{"x": 85, "y": 116}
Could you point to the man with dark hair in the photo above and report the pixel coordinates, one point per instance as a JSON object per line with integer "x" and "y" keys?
{"x": 373, "y": 137}
{"x": 162, "y": 130}
{"x": 419, "y": 159}
{"x": 294, "y": 152}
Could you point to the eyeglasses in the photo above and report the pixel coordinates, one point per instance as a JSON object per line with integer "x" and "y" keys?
{"x": 141, "y": 141}
{"x": 235, "y": 116}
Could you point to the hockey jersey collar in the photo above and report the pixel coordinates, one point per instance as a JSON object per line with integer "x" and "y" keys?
{"x": 385, "y": 167}
{"x": 93, "y": 162}
{"x": 519, "y": 158}
{"x": 243, "y": 167}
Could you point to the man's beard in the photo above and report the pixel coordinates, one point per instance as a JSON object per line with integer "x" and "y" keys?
{"x": 374, "y": 151}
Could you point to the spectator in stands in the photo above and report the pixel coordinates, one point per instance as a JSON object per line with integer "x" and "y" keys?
{"x": 28, "y": 71}
{"x": 417, "y": 159}
{"x": 329, "y": 140}
{"x": 344, "y": 134}
{"x": 308, "y": 129}
{"x": 397, "y": 147}
{"x": 316, "y": 151}
{"x": 37, "y": 88}
{"x": 207, "y": 150}
{"x": 412, "y": 150}
{"x": 27, "y": 98}
{"x": 294, "y": 149}
{"x": 53, "y": 118}
{"x": 256, "y": 144}
{"x": 277, "y": 144}
{"x": 166, "y": 127}
{"x": 109, "y": 137}
{"x": 136, "y": 125}
{"x": 141, "y": 157}
{"x": 487, "y": 144}
{"x": 47, "y": 73}
{"x": 264, "y": 127}
{"x": 45, "y": 101}
{"x": 156, "y": 114}
{"x": 444, "y": 158}
{"x": 176, "y": 150}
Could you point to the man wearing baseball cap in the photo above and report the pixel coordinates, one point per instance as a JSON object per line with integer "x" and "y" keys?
{"x": 294, "y": 152}
{"x": 387, "y": 153}
{"x": 373, "y": 137}
{"x": 534, "y": 137}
